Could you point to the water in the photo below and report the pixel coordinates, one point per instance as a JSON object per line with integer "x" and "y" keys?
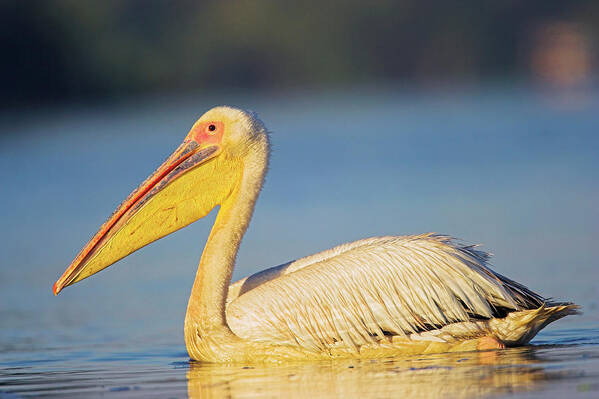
{"x": 568, "y": 367}
{"x": 513, "y": 168}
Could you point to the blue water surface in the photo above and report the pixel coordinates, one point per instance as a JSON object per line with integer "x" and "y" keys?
{"x": 514, "y": 168}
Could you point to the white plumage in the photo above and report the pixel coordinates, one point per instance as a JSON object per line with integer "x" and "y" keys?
{"x": 360, "y": 292}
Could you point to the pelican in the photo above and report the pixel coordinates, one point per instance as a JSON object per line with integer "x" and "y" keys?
{"x": 376, "y": 297}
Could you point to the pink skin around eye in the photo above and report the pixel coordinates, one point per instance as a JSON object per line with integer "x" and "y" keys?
{"x": 202, "y": 134}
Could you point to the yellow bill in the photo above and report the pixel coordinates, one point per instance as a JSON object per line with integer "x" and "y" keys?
{"x": 164, "y": 203}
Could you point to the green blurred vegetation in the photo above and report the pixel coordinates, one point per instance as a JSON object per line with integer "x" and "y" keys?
{"x": 72, "y": 49}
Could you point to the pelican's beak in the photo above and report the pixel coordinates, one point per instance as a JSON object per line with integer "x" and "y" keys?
{"x": 149, "y": 213}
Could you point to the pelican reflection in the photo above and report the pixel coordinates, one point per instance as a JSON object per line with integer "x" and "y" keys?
{"x": 455, "y": 375}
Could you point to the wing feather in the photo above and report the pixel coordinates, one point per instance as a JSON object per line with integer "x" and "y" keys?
{"x": 356, "y": 293}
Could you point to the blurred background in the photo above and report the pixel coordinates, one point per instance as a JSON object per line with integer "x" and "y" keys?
{"x": 69, "y": 51}
{"x": 476, "y": 119}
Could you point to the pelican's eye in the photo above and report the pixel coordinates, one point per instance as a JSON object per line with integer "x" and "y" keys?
{"x": 210, "y": 132}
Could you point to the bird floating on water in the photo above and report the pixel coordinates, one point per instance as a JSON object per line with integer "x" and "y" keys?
{"x": 377, "y": 297}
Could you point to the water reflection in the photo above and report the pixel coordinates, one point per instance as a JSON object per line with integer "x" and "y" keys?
{"x": 459, "y": 375}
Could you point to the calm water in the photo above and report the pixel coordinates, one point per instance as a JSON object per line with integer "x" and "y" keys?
{"x": 515, "y": 169}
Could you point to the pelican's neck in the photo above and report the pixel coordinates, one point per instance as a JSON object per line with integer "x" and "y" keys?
{"x": 206, "y": 307}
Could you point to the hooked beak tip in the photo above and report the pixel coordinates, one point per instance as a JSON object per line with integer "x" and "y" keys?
{"x": 55, "y": 288}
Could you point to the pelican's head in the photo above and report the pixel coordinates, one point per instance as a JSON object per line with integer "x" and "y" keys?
{"x": 202, "y": 173}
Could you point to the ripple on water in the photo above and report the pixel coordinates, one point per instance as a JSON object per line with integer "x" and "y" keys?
{"x": 557, "y": 368}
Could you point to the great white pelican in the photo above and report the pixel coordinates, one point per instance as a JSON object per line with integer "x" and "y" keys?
{"x": 377, "y": 297}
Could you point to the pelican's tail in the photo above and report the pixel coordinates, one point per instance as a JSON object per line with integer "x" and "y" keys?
{"x": 518, "y": 328}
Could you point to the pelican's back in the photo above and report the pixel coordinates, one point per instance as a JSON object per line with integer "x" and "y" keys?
{"x": 359, "y": 293}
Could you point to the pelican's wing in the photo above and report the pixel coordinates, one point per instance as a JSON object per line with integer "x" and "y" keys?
{"x": 380, "y": 286}
{"x": 246, "y": 284}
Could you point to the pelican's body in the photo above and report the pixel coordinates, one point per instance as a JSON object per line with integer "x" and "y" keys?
{"x": 377, "y": 297}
